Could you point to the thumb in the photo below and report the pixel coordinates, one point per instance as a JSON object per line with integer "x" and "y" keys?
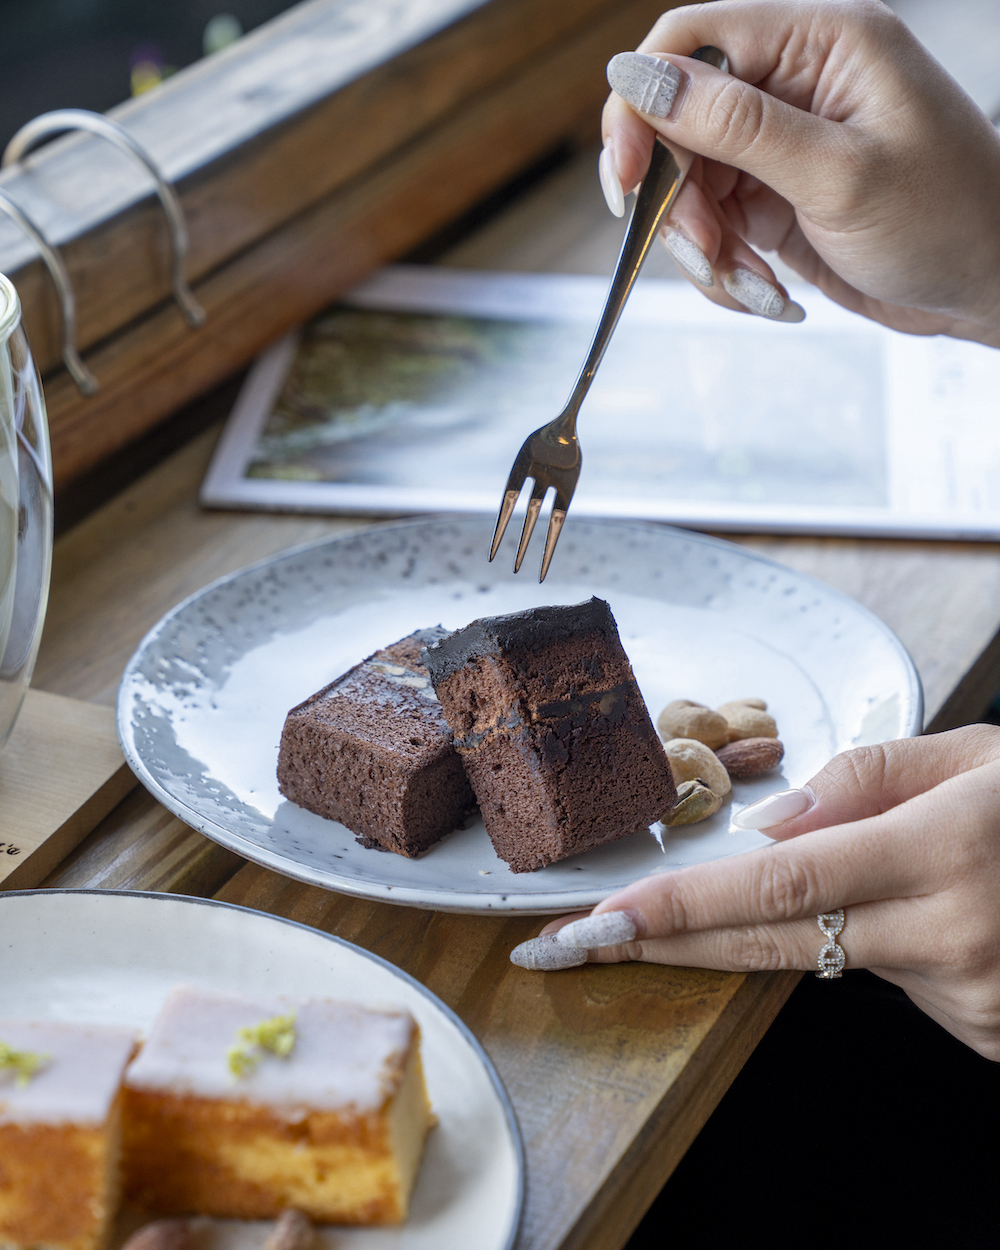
{"x": 870, "y": 780}
{"x": 709, "y": 112}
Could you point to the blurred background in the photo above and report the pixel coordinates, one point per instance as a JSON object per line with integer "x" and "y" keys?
{"x": 95, "y": 53}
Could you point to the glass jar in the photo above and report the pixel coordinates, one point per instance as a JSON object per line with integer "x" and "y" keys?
{"x": 25, "y": 510}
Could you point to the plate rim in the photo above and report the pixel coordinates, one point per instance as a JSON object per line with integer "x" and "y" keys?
{"x": 510, "y": 1116}
{"x": 463, "y": 903}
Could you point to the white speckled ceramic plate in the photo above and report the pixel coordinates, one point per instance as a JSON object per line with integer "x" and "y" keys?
{"x": 112, "y": 957}
{"x": 203, "y": 701}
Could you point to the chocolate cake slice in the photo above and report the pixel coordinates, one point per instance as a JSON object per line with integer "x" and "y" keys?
{"x": 373, "y": 750}
{"x": 552, "y": 730}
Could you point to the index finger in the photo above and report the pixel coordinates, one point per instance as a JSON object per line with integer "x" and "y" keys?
{"x": 725, "y": 119}
{"x": 764, "y": 42}
{"x": 798, "y": 71}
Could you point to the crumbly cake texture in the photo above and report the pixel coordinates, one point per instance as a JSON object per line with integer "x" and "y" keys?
{"x": 60, "y": 1135}
{"x": 552, "y": 730}
{"x": 335, "y": 1130}
{"x": 374, "y": 751}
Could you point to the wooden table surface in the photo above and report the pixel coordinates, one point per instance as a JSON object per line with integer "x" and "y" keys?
{"x": 612, "y": 1070}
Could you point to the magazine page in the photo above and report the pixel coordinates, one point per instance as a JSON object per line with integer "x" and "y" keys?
{"x": 415, "y": 392}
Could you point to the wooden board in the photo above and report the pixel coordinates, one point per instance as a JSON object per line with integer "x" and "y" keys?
{"x": 60, "y": 773}
{"x": 140, "y": 846}
{"x": 306, "y": 155}
{"x": 251, "y": 137}
{"x": 156, "y": 364}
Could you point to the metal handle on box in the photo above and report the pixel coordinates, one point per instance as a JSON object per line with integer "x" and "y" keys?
{"x": 79, "y": 372}
{"x": 39, "y": 128}
{"x": 31, "y": 134}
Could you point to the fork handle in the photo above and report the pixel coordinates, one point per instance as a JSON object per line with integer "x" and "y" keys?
{"x": 668, "y": 167}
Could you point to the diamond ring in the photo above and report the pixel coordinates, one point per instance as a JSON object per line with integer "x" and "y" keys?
{"x": 831, "y": 960}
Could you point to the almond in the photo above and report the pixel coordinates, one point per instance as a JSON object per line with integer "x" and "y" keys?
{"x": 749, "y": 757}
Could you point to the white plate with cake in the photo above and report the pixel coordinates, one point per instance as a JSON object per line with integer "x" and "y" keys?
{"x": 204, "y": 701}
{"x": 169, "y": 971}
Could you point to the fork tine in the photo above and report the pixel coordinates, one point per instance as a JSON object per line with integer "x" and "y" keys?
{"x": 506, "y": 508}
{"x": 534, "y": 507}
{"x": 551, "y": 538}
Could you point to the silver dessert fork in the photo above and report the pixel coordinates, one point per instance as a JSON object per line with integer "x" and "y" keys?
{"x": 551, "y": 456}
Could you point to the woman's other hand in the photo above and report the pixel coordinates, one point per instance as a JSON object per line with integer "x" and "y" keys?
{"x": 904, "y": 836}
{"x": 838, "y": 142}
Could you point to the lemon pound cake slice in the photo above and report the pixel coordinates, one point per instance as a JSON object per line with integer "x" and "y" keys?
{"x": 242, "y": 1108}
{"x": 552, "y": 730}
{"x": 60, "y": 1132}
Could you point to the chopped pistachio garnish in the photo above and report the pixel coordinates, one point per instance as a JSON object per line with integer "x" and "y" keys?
{"x": 25, "y": 1063}
{"x": 276, "y": 1035}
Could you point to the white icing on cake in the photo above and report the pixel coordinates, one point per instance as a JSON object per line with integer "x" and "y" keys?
{"x": 77, "y": 1083}
{"x": 346, "y": 1057}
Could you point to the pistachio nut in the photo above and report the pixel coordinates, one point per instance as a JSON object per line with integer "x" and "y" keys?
{"x": 695, "y": 801}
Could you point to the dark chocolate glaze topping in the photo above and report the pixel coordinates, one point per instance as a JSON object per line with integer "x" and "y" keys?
{"x": 520, "y": 631}
{"x": 431, "y": 635}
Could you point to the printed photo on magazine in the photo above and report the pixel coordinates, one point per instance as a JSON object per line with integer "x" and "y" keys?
{"x": 414, "y": 393}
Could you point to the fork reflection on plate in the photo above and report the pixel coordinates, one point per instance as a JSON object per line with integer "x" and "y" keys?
{"x": 551, "y": 456}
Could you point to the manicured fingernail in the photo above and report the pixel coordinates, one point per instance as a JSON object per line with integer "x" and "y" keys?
{"x": 689, "y": 256}
{"x": 610, "y": 928}
{"x": 545, "y": 954}
{"x": 774, "y": 809}
{"x": 793, "y": 312}
{"x": 754, "y": 292}
{"x": 610, "y": 183}
{"x": 647, "y": 83}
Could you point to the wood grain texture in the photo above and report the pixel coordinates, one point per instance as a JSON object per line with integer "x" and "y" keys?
{"x": 561, "y": 226}
{"x": 627, "y": 1193}
{"x": 604, "y": 1065}
{"x": 941, "y": 599}
{"x": 61, "y": 772}
{"x": 255, "y": 135}
{"x": 141, "y": 846}
{"x": 159, "y": 363}
{"x": 119, "y": 571}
